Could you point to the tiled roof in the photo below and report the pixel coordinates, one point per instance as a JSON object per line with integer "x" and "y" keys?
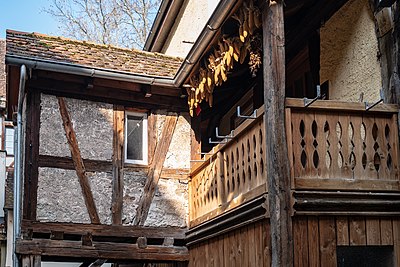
{"x": 58, "y": 49}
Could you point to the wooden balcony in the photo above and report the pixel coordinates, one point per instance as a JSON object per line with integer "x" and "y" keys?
{"x": 332, "y": 146}
{"x": 340, "y": 146}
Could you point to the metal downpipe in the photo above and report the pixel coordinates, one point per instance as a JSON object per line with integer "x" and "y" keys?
{"x": 18, "y": 164}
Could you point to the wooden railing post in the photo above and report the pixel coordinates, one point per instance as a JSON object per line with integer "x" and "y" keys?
{"x": 221, "y": 178}
{"x": 278, "y": 169}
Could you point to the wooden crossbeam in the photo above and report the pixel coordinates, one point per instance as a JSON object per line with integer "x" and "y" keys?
{"x": 103, "y": 230}
{"x": 101, "y": 250}
{"x": 78, "y": 162}
{"x": 155, "y": 169}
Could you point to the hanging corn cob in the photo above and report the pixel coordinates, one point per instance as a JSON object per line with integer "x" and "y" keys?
{"x": 222, "y": 57}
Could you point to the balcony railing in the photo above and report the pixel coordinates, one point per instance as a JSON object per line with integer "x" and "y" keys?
{"x": 340, "y": 146}
{"x": 233, "y": 174}
{"x": 331, "y": 145}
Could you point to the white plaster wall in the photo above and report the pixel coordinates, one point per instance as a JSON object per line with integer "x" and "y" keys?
{"x": 170, "y": 204}
{"x": 189, "y": 23}
{"x": 60, "y": 196}
{"x": 349, "y": 52}
{"x": 92, "y": 122}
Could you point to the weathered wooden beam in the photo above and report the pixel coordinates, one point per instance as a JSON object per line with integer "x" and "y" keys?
{"x": 101, "y": 250}
{"x": 155, "y": 169}
{"x": 68, "y": 164}
{"x": 31, "y": 156}
{"x": 278, "y": 169}
{"x": 103, "y": 230}
{"x": 78, "y": 162}
{"x": 106, "y": 166}
{"x": 118, "y": 180}
{"x": 108, "y": 95}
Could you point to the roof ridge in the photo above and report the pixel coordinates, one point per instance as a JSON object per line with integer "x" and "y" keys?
{"x": 88, "y": 43}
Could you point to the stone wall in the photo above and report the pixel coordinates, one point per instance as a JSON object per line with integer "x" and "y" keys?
{"x": 349, "y": 53}
{"x": 59, "y": 194}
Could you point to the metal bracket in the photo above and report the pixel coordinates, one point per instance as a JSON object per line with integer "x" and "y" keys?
{"x": 308, "y": 102}
{"x": 230, "y": 136}
{"x": 252, "y": 116}
{"x": 369, "y": 106}
{"x": 216, "y": 142}
{"x": 207, "y": 153}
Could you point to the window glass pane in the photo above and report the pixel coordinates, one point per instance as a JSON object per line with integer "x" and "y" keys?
{"x": 9, "y": 144}
{"x": 134, "y": 133}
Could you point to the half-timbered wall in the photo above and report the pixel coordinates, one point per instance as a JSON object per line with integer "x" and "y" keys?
{"x": 59, "y": 196}
{"x": 349, "y": 53}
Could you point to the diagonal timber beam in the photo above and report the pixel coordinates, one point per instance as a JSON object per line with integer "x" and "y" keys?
{"x": 155, "y": 169}
{"x": 78, "y": 162}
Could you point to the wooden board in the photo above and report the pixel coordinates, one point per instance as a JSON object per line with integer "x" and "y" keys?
{"x": 357, "y": 231}
{"x": 327, "y": 241}
{"x": 300, "y": 237}
{"x": 117, "y": 159}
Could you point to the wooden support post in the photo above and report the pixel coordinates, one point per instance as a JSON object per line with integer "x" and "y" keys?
{"x": 278, "y": 169}
{"x": 31, "y": 155}
{"x": 118, "y": 180}
{"x": 78, "y": 162}
{"x": 155, "y": 169}
{"x": 31, "y": 261}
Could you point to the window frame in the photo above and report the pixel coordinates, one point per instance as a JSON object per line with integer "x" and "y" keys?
{"x": 145, "y": 142}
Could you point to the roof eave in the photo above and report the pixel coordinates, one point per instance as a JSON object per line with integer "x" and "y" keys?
{"x": 69, "y": 68}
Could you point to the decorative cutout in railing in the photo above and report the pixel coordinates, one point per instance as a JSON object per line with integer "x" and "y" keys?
{"x": 345, "y": 144}
{"x": 351, "y": 146}
{"x": 233, "y": 175}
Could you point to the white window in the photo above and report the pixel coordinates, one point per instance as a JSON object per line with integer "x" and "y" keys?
{"x": 9, "y": 142}
{"x": 135, "y": 138}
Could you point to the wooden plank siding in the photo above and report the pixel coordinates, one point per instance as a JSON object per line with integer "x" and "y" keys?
{"x": 315, "y": 241}
{"x": 246, "y": 246}
{"x": 316, "y": 237}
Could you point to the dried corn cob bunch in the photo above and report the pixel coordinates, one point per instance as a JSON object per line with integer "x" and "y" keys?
{"x": 255, "y": 60}
{"x": 221, "y": 59}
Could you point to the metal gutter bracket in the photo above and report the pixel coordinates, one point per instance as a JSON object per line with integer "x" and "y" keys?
{"x": 308, "y": 102}
{"x": 369, "y": 106}
{"x": 229, "y": 136}
{"x": 252, "y": 116}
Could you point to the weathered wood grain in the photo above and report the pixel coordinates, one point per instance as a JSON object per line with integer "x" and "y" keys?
{"x": 278, "y": 169}
{"x": 118, "y": 179}
{"x": 31, "y": 155}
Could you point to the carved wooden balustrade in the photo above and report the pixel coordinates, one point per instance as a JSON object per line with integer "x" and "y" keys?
{"x": 231, "y": 175}
{"x": 332, "y": 146}
{"x": 340, "y": 146}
